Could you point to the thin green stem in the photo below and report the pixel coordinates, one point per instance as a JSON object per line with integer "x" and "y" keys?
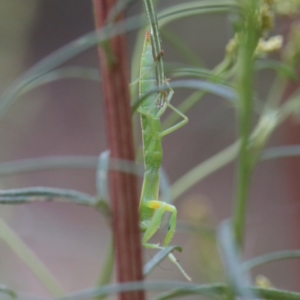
{"x": 107, "y": 271}
{"x": 156, "y": 41}
{"x": 248, "y": 38}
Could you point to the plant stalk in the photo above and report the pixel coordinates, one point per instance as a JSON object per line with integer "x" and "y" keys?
{"x": 248, "y": 38}
{"x": 123, "y": 187}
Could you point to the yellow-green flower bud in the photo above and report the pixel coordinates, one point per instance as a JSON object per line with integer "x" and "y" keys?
{"x": 270, "y": 45}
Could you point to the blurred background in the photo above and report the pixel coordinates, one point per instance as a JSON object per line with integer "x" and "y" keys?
{"x": 66, "y": 118}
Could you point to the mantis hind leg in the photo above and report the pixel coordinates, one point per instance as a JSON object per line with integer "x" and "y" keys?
{"x": 171, "y": 257}
{"x": 160, "y": 208}
{"x": 168, "y": 104}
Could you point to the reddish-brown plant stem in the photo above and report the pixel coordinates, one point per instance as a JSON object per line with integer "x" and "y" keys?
{"x": 114, "y": 68}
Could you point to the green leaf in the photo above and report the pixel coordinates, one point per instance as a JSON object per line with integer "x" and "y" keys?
{"x": 283, "y": 69}
{"x": 281, "y": 152}
{"x": 7, "y": 291}
{"x": 148, "y": 286}
{"x": 213, "y": 88}
{"x": 158, "y": 258}
{"x": 27, "y": 195}
{"x": 271, "y": 257}
{"x": 188, "y": 9}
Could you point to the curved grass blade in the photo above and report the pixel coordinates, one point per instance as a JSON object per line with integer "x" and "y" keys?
{"x": 28, "y": 296}
{"x": 27, "y": 195}
{"x": 87, "y": 41}
{"x": 64, "y": 54}
{"x": 270, "y": 294}
{"x": 281, "y": 152}
{"x": 80, "y": 162}
{"x": 148, "y": 286}
{"x": 183, "y": 71}
{"x": 216, "y": 291}
{"x": 8, "y": 292}
{"x": 158, "y": 258}
{"x": 220, "y": 160}
{"x": 48, "y": 163}
{"x": 221, "y": 90}
{"x": 59, "y": 74}
{"x": 271, "y": 257}
{"x": 188, "y": 9}
{"x": 214, "y": 88}
{"x": 30, "y": 259}
{"x": 275, "y": 294}
{"x": 204, "y": 169}
{"x": 281, "y": 68}
{"x": 179, "y": 289}
{"x": 63, "y": 162}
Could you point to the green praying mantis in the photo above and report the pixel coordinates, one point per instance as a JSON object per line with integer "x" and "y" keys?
{"x": 151, "y": 109}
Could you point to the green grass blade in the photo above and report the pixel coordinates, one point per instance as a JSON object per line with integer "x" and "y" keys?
{"x": 214, "y": 88}
{"x": 188, "y": 9}
{"x": 59, "y": 74}
{"x": 27, "y": 195}
{"x": 215, "y": 291}
{"x": 8, "y": 292}
{"x": 271, "y": 257}
{"x": 135, "y": 286}
{"x": 179, "y": 289}
{"x": 274, "y": 294}
{"x": 281, "y": 152}
{"x": 30, "y": 259}
{"x": 204, "y": 169}
{"x": 282, "y": 69}
{"x": 63, "y": 55}
{"x": 184, "y": 71}
{"x": 158, "y": 258}
{"x": 48, "y": 163}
